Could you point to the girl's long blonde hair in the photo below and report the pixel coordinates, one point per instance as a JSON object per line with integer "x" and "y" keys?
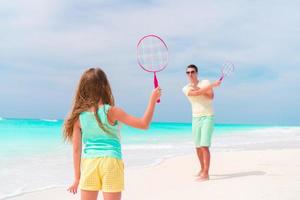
{"x": 93, "y": 88}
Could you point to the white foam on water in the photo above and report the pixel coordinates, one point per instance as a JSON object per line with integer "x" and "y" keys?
{"x": 147, "y": 146}
{"x": 49, "y": 120}
{"x": 21, "y": 191}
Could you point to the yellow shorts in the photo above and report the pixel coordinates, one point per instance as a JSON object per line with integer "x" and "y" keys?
{"x": 105, "y": 173}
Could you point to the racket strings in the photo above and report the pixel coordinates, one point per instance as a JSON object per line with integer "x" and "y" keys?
{"x": 228, "y": 68}
{"x": 152, "y": 54}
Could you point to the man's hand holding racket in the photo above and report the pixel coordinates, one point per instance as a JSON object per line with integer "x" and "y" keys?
{"x": 217, "y": 83}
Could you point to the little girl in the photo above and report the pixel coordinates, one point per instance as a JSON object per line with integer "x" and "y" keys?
{"x": 94, "y": 122}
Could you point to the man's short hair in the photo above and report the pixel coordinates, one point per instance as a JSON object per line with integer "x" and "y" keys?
{"x": 193, "y": 66}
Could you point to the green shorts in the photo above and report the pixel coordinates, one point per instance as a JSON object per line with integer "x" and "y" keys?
{"x": 202, "y": 129}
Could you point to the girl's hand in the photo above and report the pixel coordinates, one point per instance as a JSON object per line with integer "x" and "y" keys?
{"x": 73, "y": 187}
{"x": 156, "y": 93}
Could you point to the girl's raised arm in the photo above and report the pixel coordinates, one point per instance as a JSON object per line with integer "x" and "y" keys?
{"x": 118, "y": 114}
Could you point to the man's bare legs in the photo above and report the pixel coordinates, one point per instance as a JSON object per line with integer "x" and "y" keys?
{"x": 203, "y": 154}
{"x": 200, "y": 157}
{"x": 206, "y": 163}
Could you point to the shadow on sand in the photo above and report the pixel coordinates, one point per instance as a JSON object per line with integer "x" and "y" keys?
{"x": 236, "y": 175}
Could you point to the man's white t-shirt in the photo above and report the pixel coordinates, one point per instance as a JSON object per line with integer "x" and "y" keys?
{"x": 201, "y": 105}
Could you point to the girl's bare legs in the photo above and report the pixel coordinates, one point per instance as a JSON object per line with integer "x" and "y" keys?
{"x": 112, "y": 195}
{"x": 89, "y": 195}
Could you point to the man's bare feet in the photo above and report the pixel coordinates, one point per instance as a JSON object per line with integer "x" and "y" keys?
{"x": 199, "y": 173}
{"x": 203, "y": 177}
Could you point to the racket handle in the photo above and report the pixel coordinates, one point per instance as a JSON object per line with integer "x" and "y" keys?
{"x": 156, "y": 85}
{"x": 221, "y": 79}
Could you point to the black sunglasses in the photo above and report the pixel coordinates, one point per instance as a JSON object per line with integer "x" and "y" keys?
{"x": 190, "y": 72}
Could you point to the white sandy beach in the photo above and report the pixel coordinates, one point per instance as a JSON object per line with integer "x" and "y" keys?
{"x": 263, "y": 174}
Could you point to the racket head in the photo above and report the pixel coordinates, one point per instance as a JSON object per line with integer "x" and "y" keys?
{"x": 227, "y": 69}
{"x": 152, "y": 53}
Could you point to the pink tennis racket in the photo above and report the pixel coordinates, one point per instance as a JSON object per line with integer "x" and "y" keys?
{"x": 152, "y": 55}
{"x": 227, "y": 69}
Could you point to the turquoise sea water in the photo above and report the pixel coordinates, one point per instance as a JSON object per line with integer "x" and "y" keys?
{"x": 20, "y": 137}
{"x": 34, "y": 156}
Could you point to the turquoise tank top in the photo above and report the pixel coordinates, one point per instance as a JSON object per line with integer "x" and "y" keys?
{"x": 96, "y": 142}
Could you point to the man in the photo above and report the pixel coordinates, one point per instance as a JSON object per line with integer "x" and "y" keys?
{"x": 200, "y": 94}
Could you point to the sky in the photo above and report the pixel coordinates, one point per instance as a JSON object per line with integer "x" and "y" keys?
{"x": 46, "y": 45}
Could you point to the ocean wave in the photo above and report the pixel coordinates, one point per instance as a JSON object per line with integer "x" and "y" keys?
{"x": 49, "y": 120}
{"x": 267, "y": 131}
{"x": 160, "y": 160}
{"x": 147, "y": 146}
{"x": 21, "y": 191}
